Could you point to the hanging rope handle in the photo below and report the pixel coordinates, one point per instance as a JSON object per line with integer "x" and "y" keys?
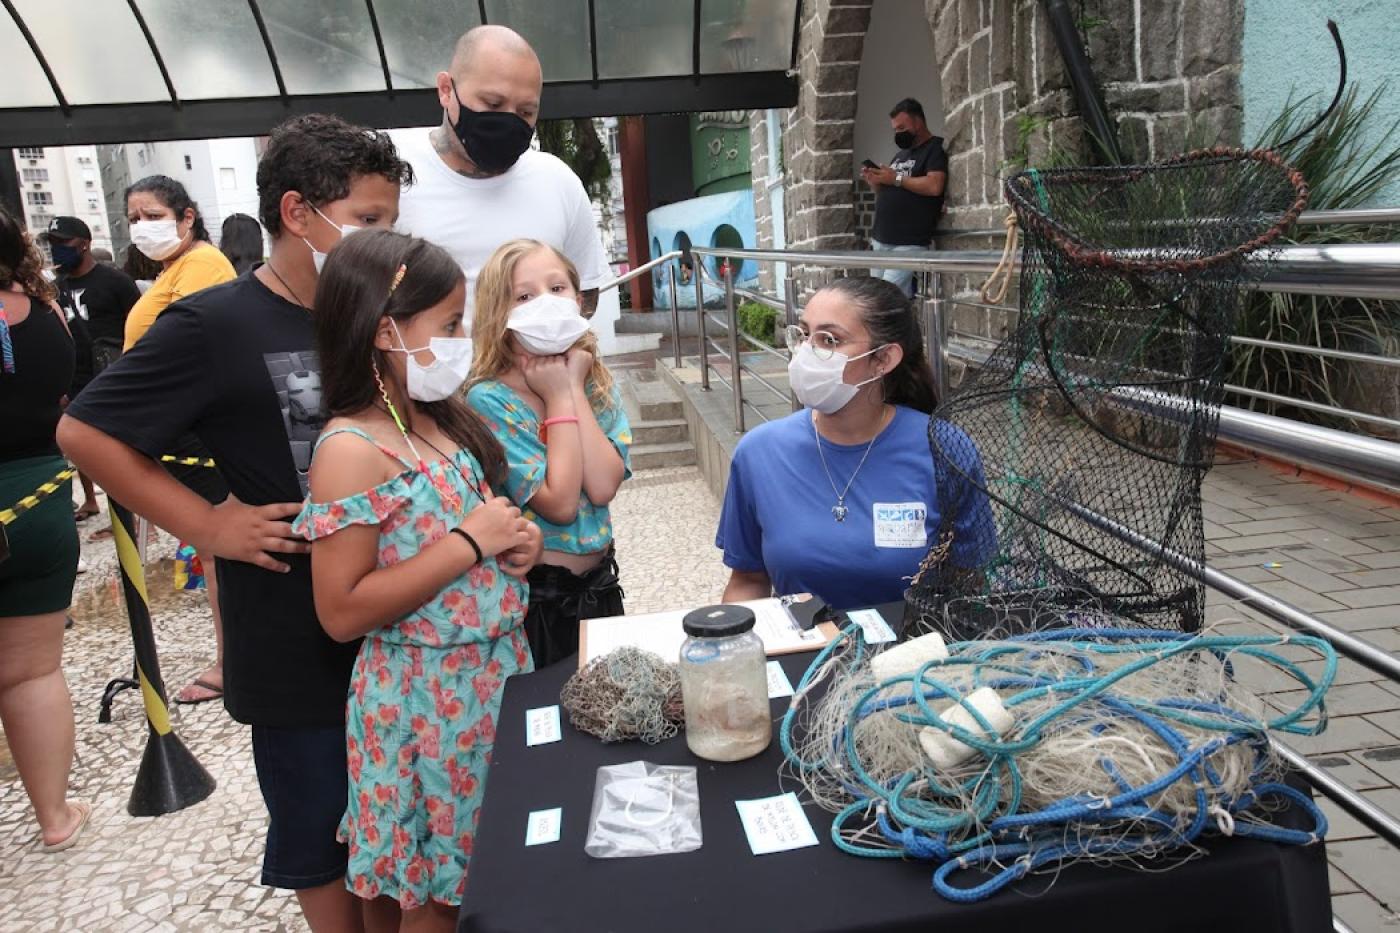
{"x": 996, "y": 286}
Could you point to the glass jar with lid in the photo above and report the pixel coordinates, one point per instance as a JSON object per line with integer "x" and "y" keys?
{"x": 724, "y": 683}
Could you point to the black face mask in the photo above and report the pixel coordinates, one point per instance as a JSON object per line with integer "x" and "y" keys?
{"x": 494, "y": 140}
{"x": 905, "y": 139}
{"x": 66, "y": 257}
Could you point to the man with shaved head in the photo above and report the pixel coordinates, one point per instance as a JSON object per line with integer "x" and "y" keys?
{"x": 479, "y": 182}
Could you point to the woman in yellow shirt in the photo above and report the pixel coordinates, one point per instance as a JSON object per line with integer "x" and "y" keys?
{"x": 166, "y": 227}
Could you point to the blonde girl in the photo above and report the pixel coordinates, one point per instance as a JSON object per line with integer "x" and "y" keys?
{"x": 539, "y": 384}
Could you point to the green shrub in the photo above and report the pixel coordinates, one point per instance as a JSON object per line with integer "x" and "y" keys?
{"x": 757, "y": 321}
{"x": 1344, "y": 169}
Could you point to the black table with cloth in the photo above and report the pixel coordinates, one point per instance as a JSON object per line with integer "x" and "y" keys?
{"x": 1239, "y": 887}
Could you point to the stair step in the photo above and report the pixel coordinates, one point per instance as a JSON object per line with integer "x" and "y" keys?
{"x": 660, "y": 432}
{"x": 655, "y": 400}
{"x": 656, "y": 456}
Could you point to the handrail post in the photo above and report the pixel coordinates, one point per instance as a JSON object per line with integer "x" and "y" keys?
{"x": 790, "y": 318}
{"x": 936, "y": 334}
{"x": 736, "y": 365}
{"x": 700, "y": 327}
{"x": 675, "y": 313}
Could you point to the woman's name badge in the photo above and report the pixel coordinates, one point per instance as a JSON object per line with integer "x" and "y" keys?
{"x": 900, "y": 524}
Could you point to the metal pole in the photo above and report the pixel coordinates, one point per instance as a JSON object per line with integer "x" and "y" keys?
{"x": 700, "y": 326}
{"x": 790, "y": 318}
{"x": 169, "y": 778}
{"x": 1359, "y": 650}
{"x": 675, "y": 314}
{"x": 735, "y": 364}
{"x": 936, "y": 334}
{"x": 1346, "y": 798}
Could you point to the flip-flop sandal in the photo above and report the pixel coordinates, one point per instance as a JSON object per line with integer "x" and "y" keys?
{"x": 85, "y": 811}
{"x": 82, "y": 515}
{"x": 216, "y": 692}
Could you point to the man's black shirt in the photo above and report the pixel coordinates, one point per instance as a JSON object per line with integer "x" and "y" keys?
{"x": 903, "y": 218}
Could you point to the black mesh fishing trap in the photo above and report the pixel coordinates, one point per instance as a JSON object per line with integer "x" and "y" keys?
{"x": 1103, "y": 402}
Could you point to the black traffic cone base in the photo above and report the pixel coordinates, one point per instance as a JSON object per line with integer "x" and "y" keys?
{"x": 169, "y": 778}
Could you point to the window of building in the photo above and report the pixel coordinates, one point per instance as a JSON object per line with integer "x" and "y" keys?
{"x": 189, "y": 165}
{"x": 228, "y": 179}
{"x": 41, "y": 220}
{"x": 31, "y": 152}
{"x": 94, "y": 204}
{"x": 84, "y": 160}
{"x": 35, "y": 174}
{"x": 142, "y": 156}
{"x": 38, "y": 197}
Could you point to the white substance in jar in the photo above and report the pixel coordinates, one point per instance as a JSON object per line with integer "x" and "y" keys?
{"x": 724, "y": 685}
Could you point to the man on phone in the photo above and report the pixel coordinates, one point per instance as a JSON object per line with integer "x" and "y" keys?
{"x": 908, "y": 191}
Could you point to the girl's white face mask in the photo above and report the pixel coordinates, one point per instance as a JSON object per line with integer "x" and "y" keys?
{"x": 819, "y": 383}
{"x": 548, "y": 324}
{"x": 156, "y": 239}
{"x": 452, "y": 362}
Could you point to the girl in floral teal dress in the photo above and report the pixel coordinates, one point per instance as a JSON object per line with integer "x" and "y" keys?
{"x": 541, "y": 387}
{"x": 411, "y": 549}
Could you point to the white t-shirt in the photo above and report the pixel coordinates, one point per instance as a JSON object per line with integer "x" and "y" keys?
{"x": 540, "y": 198}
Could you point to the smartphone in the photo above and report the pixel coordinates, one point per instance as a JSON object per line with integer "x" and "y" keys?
{"x": 869, "y": 164}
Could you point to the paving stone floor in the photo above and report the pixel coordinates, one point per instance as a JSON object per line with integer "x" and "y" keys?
{"x": 1334, "y": 553}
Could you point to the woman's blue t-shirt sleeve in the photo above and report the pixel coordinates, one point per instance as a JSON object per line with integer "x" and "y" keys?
{"x": 739, "y": 535}
{"x": 974, "y": 526}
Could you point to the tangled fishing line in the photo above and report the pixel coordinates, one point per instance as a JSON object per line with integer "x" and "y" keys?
{"x": 625, "y": 694}
{"x": 1043, "y": 749}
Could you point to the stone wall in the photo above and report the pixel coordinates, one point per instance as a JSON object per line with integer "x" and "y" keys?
{"x": 1169, "y": 70}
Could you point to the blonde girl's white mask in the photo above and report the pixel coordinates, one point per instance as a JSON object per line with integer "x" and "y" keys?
{"x": 547, "y": 324}
{"x": 318, "y": 258}
{"x": 440, "y": 379}
{"x": 156, "y": 239}
{"x": 819, "y": 384}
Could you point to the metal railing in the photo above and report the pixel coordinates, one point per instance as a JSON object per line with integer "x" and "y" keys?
{"x": 1363, "y": 271}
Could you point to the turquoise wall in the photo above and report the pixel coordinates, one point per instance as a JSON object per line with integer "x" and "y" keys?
{"x": 1287, "y": 49}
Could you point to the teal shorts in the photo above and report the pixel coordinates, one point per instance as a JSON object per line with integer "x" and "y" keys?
{"x": 37, "y": 578}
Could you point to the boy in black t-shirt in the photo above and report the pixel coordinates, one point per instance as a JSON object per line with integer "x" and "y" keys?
{"x": 908, "y": 191}
{"x": 224, "y": 365}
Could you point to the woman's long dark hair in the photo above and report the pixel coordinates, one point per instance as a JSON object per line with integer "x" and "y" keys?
{"x": 174, "y": 196}
{"x": 241, "y": 241}
{"x": 353, "y": 295}
{"x": 140, "y": 266}
{"x": 21, "y": 263}
{"x": 890, "y": 317}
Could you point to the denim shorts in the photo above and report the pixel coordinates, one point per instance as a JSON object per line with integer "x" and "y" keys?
{"x": 301, "y": 773}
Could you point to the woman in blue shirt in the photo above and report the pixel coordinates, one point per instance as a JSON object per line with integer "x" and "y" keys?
{"x": 839, "y": 499}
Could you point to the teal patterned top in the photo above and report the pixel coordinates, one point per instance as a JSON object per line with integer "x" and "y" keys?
{"x": 517, "y": 427}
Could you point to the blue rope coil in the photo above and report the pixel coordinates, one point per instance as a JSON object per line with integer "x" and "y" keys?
{"x": 976, "y": 815}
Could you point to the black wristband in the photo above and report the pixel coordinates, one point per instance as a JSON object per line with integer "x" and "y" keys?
{"x": 472, "y": 541}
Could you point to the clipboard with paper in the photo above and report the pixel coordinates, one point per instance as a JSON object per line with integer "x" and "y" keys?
{"x": 661, "y": 632}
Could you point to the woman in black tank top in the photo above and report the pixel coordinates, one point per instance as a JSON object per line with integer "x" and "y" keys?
{"x": 39, "y": 547}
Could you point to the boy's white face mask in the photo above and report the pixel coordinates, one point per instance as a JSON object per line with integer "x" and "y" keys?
{"x": 547, "y": 325}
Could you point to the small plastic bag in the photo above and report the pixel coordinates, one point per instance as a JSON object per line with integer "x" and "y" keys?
{"x": 644, "y": 809}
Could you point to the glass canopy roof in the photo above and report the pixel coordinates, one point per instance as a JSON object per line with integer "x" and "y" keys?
{"x": 127, "y": 70}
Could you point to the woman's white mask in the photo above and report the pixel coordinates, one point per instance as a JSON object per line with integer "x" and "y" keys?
{"x": 819, "y": 383}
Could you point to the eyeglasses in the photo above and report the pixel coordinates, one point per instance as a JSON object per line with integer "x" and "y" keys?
{"x": 823, "y": 343}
